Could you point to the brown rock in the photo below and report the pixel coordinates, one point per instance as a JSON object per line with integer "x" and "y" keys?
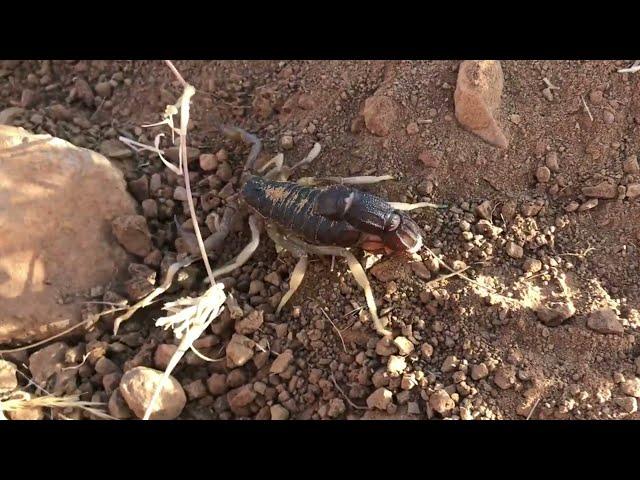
{"x": 379, "y": 115}
{"x": 630, "y": 165}
{"x": 281, "y": 363}
{"x": 250, "y": 323}
{"x": 555, "y": 313}
{"x": 29, "y": 98}
{"x": 441, "y": 402}
{"x": 380, "y": 399}
{"x": 477, "y": 99}
{"x": 480, "y": 371}
{"x": 132, "y": 233}
{"x": 631, "y": 387}
{"x": 504, "y": 378}
{"x": 605, "y": 321}
{"x": 208, "y": 162}
{"x": 392, "y": 268}
{"x": 396, "y": 365}
{"x": 552, "y": 162}
{"x": 543, "y": 174}
{"x": 627, "y": 404}
{"x": 601, "y": 190}
{"x": 278, "y": 412}
{"x": 8, "y": 379}
{"x": 137, "y": 388}
{"x": 56, "y": 243}
{"x": 217, "y": 384}
{"x": 405, "y": 347}
{"x": 240, "y": 397}
{"x": 195, "y": 389}
{"x": 633, "y": 190}
{"x": 532, "y": 265}
{"x": 484, "y": 210}
{"x": 239, "y": 350}
{"x": 117, "y": 407}
{"x": 103, "y": 89}
{"x": 47, "y": 361}
{"x": 514, "y": 250}
{"x": 60, "y": 112}
{"x": 150, "y": 208}
{"x": 140, "y": 188}
{"x": 84, "y": 92}
{"x": 428, "y": 159}
{"x": 163, "y": 355}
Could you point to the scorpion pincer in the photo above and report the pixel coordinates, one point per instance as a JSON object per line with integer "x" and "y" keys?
{"x": 323, "y": 220}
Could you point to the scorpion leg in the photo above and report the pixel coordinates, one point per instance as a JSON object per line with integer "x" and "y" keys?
{"x": 238, "y": 134}
{"x": 358, "y": 273}
{"x": 361, "y": 180}
{"x": 299, "y": 270}
{"x": 246, "y": 252}
{"x": 413, "y": 206}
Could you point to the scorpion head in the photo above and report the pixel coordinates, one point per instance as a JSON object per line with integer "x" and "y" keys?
{"x": 383, "y": 228}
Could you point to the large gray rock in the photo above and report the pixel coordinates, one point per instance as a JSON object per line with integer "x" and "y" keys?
{"x": 57, "y": 202}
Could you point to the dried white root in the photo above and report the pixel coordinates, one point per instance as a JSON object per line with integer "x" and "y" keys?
{"x": 632, "y": 69}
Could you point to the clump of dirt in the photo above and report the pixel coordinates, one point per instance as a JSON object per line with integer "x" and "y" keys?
{"x": 548, "y": 228}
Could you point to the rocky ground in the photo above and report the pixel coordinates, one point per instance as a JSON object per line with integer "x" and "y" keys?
{"x": 535, "y": 160}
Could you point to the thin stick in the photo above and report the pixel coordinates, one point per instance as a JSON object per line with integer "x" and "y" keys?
{"x": 632, "y": 69}
{"x": 353, "y": 405}
{"x": 176, "y": 73}
{"x": 336, "y": 329}
{"x": 586, "y": 107}
{"x": 533, "y": 408}
{"x": 448, "y": 275}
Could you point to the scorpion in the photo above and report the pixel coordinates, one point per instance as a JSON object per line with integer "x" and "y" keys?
{"x": 306, "y": 217}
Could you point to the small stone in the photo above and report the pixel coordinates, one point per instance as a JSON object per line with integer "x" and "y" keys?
{"x": 105, "y": 366}
{"x": 217, "y": 384}
{"x": 115, "y": 149}
{"x": 255, "y": 287}
{"x": 601, "y": 190}
{"x": 8, "y": 379}
{"x": 278, "y": 412}
{"x": 385, "y": 347}
{"x": 30, "y": 413}
{"x": 441, "y": 402}
{"x": 195, "y": 390}
{"x": 286, "y": 142}
{"x": 608, "y": 117}
{"x": 514, "y": 250}
{"x": 630, "y": 165}
{"x": 477, "y": 99}
{"x": 281, "y": 363}
{"x": 379, "y": 115}
{"x": 571, "y": 206}
{"x": 426, "y": 349}
{"x": 543, "y": 174}
{"x": 631, "y": 387}
{"x": 532, "y": 265}
{"x": 396, "y": 365}
{"x": 637, "y": 364}
{"x": 380, "y": 399}
{"x": 180, "y": 194}
{"x": 47, "y": 361}
{"x": 240, "y": 397}
{"x": 605, "y": 321}
{"x": 412, "y": 128}
{"x": 29, "y": 98}
{"x": 117, "y": 406}
{"x": 140, "y": 188}
{"x": 239, "y": 350}
{"x": 484, "y": 210}
{"x": 103, "y": 89}
{"x": 138, "y": 386}
{"x": 60, "y": 112}
{"x": 413, "y": 408}
{"x": 224, "y": 172}
{"x": 208, "y": 162}
{"x": 428, "y": 159}
{"x": 633, "y": 190}
{"x": 596, "y": 97}
{"x": 405, "y": 347}
{"x": 336, "y": 408}
{"x": 150, "y": 208}
{"x": 173, "y": 154}
{"x": 421, "y": 270}
{"x": 84, "y": 92}
{"x": 163, "y": 355}
{"x": 250, "y": 323}
{"x": 552, "y": 162}
{"x": 480, "y": 371}
{"x": 588, "y": 205}
{"x": 273, "y": 278}
{"x": 627, "y": 404}
{"x": 503, "y": 378}
{"x": 133, "y": 234}
{"x": 450, "y": 364}
{"x": 555, "y": 313}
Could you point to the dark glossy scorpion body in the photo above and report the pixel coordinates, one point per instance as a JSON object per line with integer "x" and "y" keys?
{"x": 333, "y": 215}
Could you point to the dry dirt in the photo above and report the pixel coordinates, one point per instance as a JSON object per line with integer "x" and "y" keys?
{"x": 475, "y": 354}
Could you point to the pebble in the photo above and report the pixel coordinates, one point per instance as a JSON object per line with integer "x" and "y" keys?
{"x": 133, "y": 234}
{"x": 441, "y": 402}
{"x": 239, "y": 350}
{"x": 30, "y": 413}
{"x": 484, "y": 210}
{"x": 426, "y": 349}
{"x": 552, "y": 162}
{"x": 273, "y": 278}
{"x": 255, "y": 287}
{"x": 105, "y": 366}
{"x": 503, "y": 378}
{"x": 480, "y": 371}
{"x": 137, "y": 387}
{"x": 385, "y": 347}
{"x": 571, "y": 206}
{"x": 627, "y": 404}
{"x": 633, "y": 190}
{"x": 428, "y": 159}
{"x": 450, "y": 364}
{"x": 47, "y": 361}
{"x": 379, "y": 115}
{"x": 208, "y": 162}
{"x": 543, "y": 174}
{"x": 336, "y": 408}
{"x": 588, "y": 205}
{"x": 150, "y": 208}
{"x": 173, "y": 154}
{"x": 140, "y": 188}
{"x": 396, "y": 365}
{"x": 29, "y": 98}
{"x": 8, "y": 378}
{"x": 180, "y": 194}
{"x": 103, "y": 89}
{"x": 84, "y": 92}
{"x": 114, "y": 149}
{"x": 286, "y": 142}
{"x": 241, "y": 397}
{"x": 637, "y": 364}
{"x": 555, "y": 313}
{"x": 605, "y": 321}
{"x": 631, "y": 387}
{"x": 532, "y": 265}
{"x": 412, "y": 128}
{"x": 514, "y": 250}
{"x": 281, "y": 363}
{"x": 380, "y": 399}
{"x": 630, "y": 165}
{"x": 601, "y": 190}
{"x": 278, "y": 412}
{"x": 217, "y": 384}
{"x": 250, "y": 323}
{"x": 195, "y": 390}
{"x": 117, "y": 406}
{"x": 163, "y": 354}
{"x": 224, "y": 172}
{"x": 405, "y": 347}
{"x": 608, "y": 117}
